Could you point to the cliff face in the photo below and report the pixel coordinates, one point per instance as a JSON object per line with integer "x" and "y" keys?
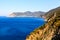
{"x": 50, "y": 30}
{"x": 50, "y": 13}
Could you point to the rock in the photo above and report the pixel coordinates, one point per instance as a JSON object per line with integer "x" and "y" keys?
{"x": 50, "y": 30}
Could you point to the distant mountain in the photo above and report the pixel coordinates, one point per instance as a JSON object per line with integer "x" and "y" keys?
{"x": 50, "y": 30}
{"x": 27, "y": 14}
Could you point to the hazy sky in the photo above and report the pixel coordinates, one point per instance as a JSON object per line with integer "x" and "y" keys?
{"x": 9, "y": 6}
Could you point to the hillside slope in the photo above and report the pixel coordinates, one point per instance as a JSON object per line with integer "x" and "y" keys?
{"x": 50, "y": 30}
{"x": 27, "y": 14}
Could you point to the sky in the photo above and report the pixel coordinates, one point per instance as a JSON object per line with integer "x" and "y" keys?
{"x": 9, "y": 6}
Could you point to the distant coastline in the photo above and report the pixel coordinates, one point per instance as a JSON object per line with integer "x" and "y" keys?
{"x": 27, "y": 14}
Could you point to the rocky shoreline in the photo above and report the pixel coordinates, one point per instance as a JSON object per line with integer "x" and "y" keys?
{"x": 50, "y": 30}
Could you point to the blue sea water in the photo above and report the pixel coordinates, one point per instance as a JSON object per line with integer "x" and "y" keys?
{"x": 17, "y": 28}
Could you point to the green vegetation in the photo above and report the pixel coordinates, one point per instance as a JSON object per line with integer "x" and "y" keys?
{"x": 51, "y": 29}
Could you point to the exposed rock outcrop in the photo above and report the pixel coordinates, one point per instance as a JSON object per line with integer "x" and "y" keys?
{"x": 50, "y": 30}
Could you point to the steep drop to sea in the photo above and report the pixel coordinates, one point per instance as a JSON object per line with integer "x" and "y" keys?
{"x": 50, "y": 30}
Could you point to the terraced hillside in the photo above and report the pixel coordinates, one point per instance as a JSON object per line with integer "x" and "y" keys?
{"x": 50, "y": 30}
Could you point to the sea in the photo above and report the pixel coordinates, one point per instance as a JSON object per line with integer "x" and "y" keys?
{"x": 17, "y": 28}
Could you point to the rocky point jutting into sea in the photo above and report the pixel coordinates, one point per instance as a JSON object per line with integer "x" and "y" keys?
{"x": 27, "y": 14}
{"x": 50, "y": 30}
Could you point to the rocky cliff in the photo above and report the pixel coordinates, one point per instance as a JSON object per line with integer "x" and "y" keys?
{"x": 50, "y": 30}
